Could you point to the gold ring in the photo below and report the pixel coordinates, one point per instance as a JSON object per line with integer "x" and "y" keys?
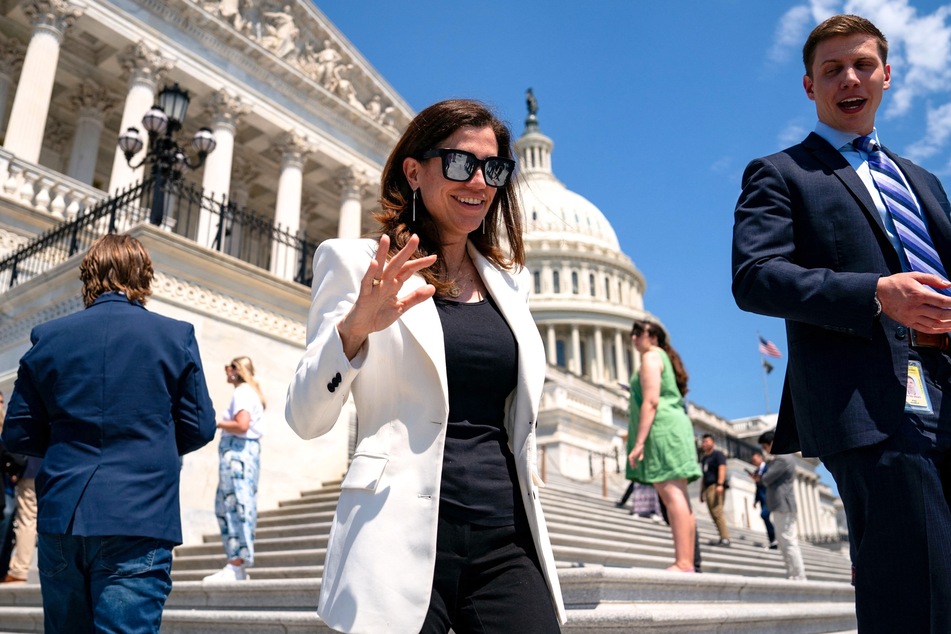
{"x": 377, "y": 282}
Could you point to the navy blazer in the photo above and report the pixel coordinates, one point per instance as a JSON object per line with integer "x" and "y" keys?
{"x": 110, "y": 397}
{"x": 809, "y": 247}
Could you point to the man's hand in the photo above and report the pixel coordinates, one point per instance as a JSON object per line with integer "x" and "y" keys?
{"x": 910, "y": 299}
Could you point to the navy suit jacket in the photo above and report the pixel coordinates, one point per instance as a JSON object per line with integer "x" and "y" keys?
{"x": 110, "y": 397}
{"x": 809, "y": 247}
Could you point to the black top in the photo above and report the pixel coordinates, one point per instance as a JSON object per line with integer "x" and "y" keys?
{"x": 479, "y": 481}
{"x": 711, "y": 465}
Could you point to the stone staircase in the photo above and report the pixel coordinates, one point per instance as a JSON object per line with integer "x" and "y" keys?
{"x": 610, "y": 566}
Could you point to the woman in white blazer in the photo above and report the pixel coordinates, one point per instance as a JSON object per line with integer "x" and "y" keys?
{"x": 439, "y": 523}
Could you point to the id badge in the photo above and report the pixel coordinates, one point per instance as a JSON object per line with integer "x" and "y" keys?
{"x": 916, "y": 394}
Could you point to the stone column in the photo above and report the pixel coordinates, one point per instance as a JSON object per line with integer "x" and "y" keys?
{"x": 93, "y": 103}
{"x": 353, "y": 186}
{"x": 145, "y": 68}
{"x": 244, "y": 174}
{"x": 575, "y": 364}
{"x": 224, "y": 109}
{"x": 11, "y": 61}
{"x": 598, "y": 369}
{"x": 50, "y": 19}
{"x": 620, "y": 359}
{"x": 294, "y": 149}
{"x": 552, "y": 346}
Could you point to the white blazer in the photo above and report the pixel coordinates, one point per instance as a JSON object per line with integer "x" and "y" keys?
{"x": 381, "y": 555}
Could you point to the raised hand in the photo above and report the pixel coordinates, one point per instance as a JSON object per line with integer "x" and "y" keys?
{"x": 378, "y": 304}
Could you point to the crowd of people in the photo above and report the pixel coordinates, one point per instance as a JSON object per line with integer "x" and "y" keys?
{"x": 439, "y": 525}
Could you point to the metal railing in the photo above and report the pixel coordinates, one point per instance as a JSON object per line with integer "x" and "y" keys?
{"x": 179, "y": 207}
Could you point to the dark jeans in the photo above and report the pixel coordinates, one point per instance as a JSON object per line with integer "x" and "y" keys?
{"x": 488, "y": 580}
{"x": 897, "y": 497}
{"x": 770, "y": 529}
{"x": 115, "y": 585}
{"x": 6, "y": 529}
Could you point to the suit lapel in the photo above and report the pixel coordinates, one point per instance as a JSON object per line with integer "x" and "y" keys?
{"x": 833, "y": 159}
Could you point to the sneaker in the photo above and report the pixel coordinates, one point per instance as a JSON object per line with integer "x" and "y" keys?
{"x": 11, "y": 579}
{"x": 723, "y": 542}
{"x": 228, "y": 574}
{"x": 773, "y": 545}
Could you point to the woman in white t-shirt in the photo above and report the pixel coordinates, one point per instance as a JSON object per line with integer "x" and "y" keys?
{"x": 239, "y": 454}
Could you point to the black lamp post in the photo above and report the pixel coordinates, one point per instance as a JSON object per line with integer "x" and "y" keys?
{"x": 165, "y": 155}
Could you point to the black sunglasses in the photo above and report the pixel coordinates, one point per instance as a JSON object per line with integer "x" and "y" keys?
{"x": 459, "y": 166}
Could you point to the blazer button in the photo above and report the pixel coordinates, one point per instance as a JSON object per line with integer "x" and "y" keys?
{"x": 331, "y": 387}
{"x": 900, "y": 332}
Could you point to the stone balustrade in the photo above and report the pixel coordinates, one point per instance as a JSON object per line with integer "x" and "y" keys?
{"x": 44, "y": 189}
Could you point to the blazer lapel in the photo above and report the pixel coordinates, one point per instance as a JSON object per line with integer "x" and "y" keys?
{"x": 834, "y": 160}
{"x": 423, "y": 323}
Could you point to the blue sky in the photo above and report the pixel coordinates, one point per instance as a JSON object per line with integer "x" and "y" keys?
{"x": 655, "y": 108}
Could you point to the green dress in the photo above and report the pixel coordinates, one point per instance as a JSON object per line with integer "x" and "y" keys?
{"x": 670, "y": 451}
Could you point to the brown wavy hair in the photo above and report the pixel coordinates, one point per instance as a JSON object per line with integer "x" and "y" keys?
{"x": 680, "y": 372}
{"x": 425, "y": 132}
{"x": 117, "y": 263}
{"x": 841, "y": 26}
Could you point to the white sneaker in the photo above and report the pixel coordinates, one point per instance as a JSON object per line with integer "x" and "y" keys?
{"x": 228, "y": 574}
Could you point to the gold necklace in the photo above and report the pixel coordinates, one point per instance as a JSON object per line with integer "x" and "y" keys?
{"x": 454, "y": 289}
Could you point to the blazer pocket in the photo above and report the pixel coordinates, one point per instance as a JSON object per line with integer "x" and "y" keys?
{"x": 364, "y": 473}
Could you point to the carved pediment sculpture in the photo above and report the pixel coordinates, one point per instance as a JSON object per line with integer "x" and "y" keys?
{"x": 293, "y": 34}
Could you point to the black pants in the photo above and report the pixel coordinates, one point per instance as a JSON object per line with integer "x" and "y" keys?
{"x": 488, "y": 581}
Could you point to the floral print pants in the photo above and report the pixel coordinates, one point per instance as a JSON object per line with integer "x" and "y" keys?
{"x": 239, "y": 461}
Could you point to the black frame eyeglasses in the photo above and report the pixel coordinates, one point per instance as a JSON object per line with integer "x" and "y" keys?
{"x": 460, "y": 166}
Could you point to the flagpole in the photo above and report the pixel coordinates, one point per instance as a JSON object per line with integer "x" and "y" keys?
{"x": 765, "y": 383}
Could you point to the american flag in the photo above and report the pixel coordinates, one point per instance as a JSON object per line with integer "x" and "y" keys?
{"x": 768, "y": 348}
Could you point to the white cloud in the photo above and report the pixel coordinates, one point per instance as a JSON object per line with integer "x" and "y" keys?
{"x": 919, "y": 50}
{"x": 936, "y": 135}
{"x": 790, "y": 32}
{"x": 919, "y": 55}
{"x": 793, "y": 133}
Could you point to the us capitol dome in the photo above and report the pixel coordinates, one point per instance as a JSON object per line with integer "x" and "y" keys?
{"x": 586, "y": 294}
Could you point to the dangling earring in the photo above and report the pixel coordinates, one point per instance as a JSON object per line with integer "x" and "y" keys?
{"x": 414, "y": 204}
{"x": 483, "y": 225}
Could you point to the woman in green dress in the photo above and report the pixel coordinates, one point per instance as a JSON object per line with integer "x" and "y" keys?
{"x": 661, "y": 446}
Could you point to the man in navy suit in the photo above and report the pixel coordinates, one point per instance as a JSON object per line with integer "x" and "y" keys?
{"x": 816, "y": 243}
{"x": 111, "y": 397}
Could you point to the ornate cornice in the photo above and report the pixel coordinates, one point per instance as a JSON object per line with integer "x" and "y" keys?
{"x": 18, "y": 329}
{"x": 222, "y": 307}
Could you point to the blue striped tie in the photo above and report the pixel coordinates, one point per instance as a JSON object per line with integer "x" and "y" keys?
{"x": 919, "y": 249}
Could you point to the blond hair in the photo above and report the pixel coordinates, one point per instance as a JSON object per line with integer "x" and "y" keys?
{"x": 245, "y": 371}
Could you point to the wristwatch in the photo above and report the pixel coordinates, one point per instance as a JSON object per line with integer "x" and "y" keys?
{"x": 878, "y": 307}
